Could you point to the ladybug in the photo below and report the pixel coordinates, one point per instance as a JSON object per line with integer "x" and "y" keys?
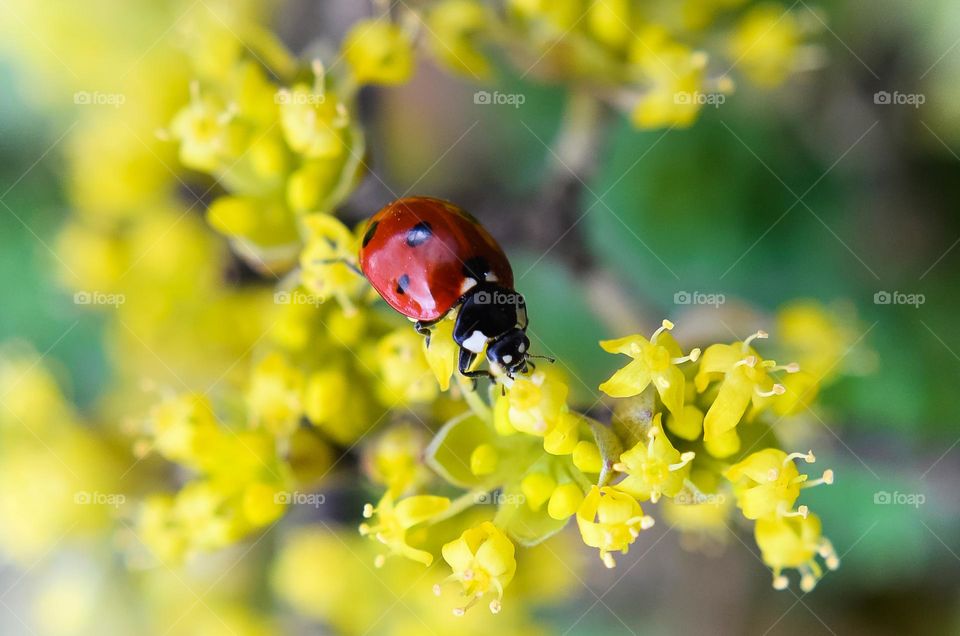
{"x": 426, "y": 257}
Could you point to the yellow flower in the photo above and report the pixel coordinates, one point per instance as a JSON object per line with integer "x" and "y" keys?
{"x": 394, "y": 458}
{"x": 654, "y": 361}
{"x": 393, "y": 522}
{"x": 323, "y": 261}
{"x": 673, "y": 79}
{"x": 379, "y": 52}
{"x": 766, "y": 44}
{"x": 185, "y": 429}
{"x": 405, "y": 374}
{"x": 483, "y": 562}
{"x": 454, "y": 27}
{"x": 534, "y": 404}
{"x": 745, "y": 381}
{"x": 794, "y": 542}
{"x": 442, "y": 351}
{"x": 655, "y": 468}
{"x": 819, "y": 338}
{"x": 314, "y": 122}
{"x": 610, "y": 520}
{"x": 275, "y": 396}
{"x": 207, "y": 132}
{"x": 767, "y": 483}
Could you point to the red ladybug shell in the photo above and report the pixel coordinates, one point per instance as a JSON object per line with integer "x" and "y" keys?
{"x": 422, "y": 254}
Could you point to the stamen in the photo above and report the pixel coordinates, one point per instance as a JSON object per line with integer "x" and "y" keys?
{"x": 778, "y": 389}
{"x": 608, "y": 560}
{"x": 620, "y": 467}
{"x": 807, "y": 582}
{"x": 685, "y": 459}
{"x": 495, "y": 606}
{"x": 750, "y": 361}
{"x": 808, "y": 457}
{"x": 780, "y": 582}
{"x": 759, "y": 334}
{"x": 368, "y": 510}
{"x": 436, "y": 589}
{"x": 379, "y": 561}
{"x": 773, "y": 474}
{"x": 793, "y": 367}
{"x": 666, "y": 325}
{"x": 827, "y": 479}
{"x": 693, "y": 356}
{"x": 365, "y": 529}
{"x": 801, "y": 511}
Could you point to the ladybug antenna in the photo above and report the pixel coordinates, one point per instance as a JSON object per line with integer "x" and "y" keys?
{"x": 343, "y": 261}
{"x": 547, "y": 358}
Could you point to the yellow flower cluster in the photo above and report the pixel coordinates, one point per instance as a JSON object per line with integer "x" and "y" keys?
{"x": 662, "y": 61}
{"x": 259, "y": 382}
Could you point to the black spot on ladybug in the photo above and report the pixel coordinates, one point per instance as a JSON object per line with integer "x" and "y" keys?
{"x": 476, "y": 268}
{"x": 368, "y": 235}
{"x": 419, "y": 234}
{"x": 402, "y": 284}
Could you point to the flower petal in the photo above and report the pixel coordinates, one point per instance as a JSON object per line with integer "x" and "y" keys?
{"x": 629, "y": 381}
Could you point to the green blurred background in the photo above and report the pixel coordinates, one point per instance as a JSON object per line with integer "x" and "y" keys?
{"x": 811, "y": 191}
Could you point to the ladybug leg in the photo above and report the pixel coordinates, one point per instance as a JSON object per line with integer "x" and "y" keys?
{"x": 423, "y": 328}
{"x": 467, "y": 358}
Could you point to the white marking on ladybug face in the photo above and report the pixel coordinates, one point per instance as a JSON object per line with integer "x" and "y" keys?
{"x": 476, "y": 342}
{"x": 491, "y": 277}
{"x": 508, "y": 358}
{"x": 467, "y": 285}
{"x": 522, "y": 348}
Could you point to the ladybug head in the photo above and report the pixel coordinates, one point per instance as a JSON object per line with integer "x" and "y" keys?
{"x": 510, "y": 351}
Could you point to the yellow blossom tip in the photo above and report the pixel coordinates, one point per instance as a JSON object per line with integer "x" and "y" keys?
{"x": 827, "y": 476}
{"x": 379, "y": 561}
{"x": 495, "y": 607}
{"x": 436, "y": 589}
{"x": 793, "y": 367}
{"x": 780, "y": 582}
{"x": 832, "y": 561}
{"x": 666, "y": 324}
{"x": 647, "y": 522}
{"x": 695, "y": 354}
{"x": 808, "y": 582}
{"x": 367, "y": 511}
